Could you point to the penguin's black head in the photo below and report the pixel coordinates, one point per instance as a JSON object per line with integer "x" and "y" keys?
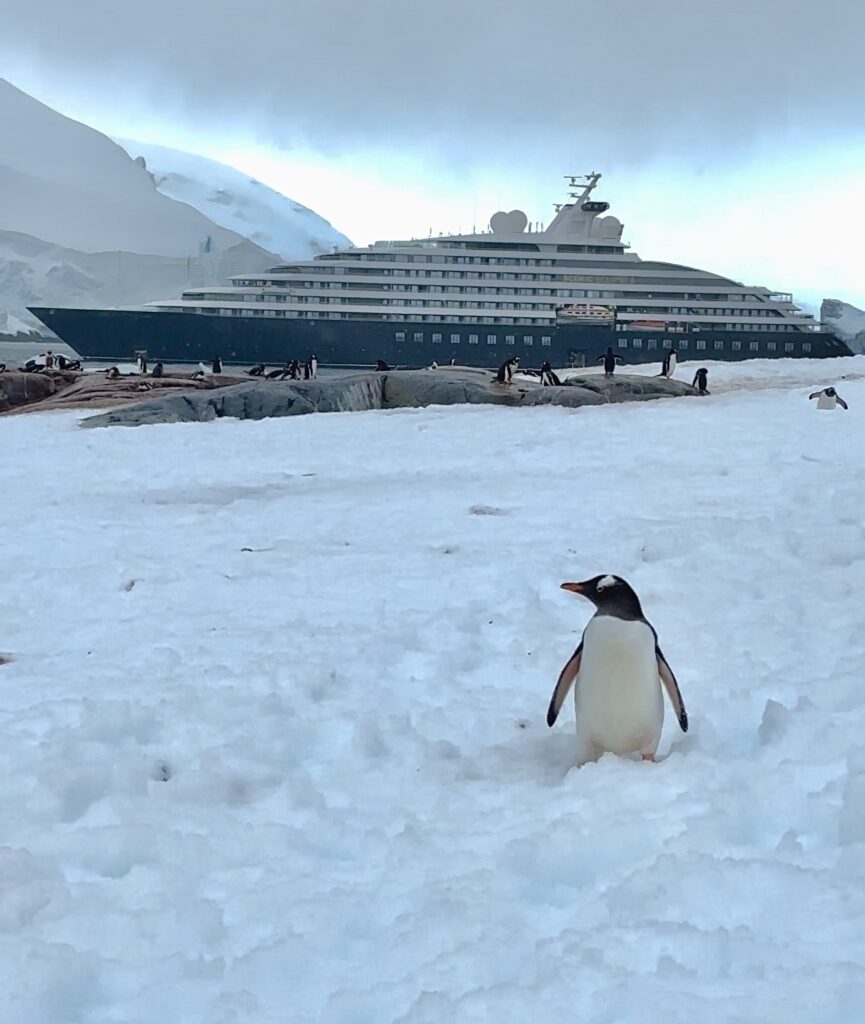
{"x": 830, "y": 391}
{"x": 611, "y": 595}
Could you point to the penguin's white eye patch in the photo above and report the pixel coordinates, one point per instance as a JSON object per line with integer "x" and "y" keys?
{"x": 607, "y": 581}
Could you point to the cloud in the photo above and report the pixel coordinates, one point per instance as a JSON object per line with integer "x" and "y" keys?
{"x": 619, "y": 81}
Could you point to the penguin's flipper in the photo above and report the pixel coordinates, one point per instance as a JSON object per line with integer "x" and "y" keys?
{"x": 841, "y": 401}
{"x": 815, "y": 395}
{"x": 672, "y": 688}
{"x": 565, "y": 681}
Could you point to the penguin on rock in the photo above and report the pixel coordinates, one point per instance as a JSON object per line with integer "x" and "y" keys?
{"x": 617, "y": 672}
{"x": 828, "y": 398}
{"x": 668, "y": 368}
{"x": 506, "y": 370}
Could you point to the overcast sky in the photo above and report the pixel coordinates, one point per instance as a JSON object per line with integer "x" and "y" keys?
{"x": 731, "y": 134}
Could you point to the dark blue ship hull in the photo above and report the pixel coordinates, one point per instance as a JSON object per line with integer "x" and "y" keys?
{"x": 117, "y": 335}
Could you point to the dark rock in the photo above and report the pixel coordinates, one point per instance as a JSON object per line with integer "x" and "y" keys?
{"x": 17, "y": 389}
{"x": 395, "y": 389}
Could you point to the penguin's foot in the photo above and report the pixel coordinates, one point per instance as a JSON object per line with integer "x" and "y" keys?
{"x": 649, "y": 757}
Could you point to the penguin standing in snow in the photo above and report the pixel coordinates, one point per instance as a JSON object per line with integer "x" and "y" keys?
{"x": 699, "y": 381}
{"x": 216, "y": 366}
{"x": 310, "y": 368}
{"x": 610, "y": 359}
{"x": 506, "y": 370}
{"x": 668, "y": 367}
{"x": 142, "y": 363}
{"x": 828, "y": 398}
{"x": 617, "y": 672}
{"x": 548, "y": 376}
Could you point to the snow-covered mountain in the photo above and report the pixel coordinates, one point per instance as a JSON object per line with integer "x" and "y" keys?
{"x": 237, "y": 202}
{"x": 847, "y": 321}
{"x": 82, "y": 223}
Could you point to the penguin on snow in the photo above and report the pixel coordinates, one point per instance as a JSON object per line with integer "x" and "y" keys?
{"x": 828, "y": 398}
{"x": 668, "y": 367}
{"x": 617, "y": 672}
{"x": 506, "y": 370}
{"x": 142, "y": 363}
{"x": 699, "y": 381}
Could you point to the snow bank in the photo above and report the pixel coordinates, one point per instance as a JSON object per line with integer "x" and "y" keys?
{"x": 237, "y": 202}
{"x": 274, "y": 742}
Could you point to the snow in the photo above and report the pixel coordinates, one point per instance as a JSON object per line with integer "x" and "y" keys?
{"x": 274, "y": 744}
{"x": 237, "y": 202}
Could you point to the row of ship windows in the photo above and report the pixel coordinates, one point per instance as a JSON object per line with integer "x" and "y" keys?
{"x": 486, "y": 260}
{"x": 314, "y": 277}
{"x": 718, "y": 346}
{"x": 473, "y": 339}
{"x": 323, "y": 315}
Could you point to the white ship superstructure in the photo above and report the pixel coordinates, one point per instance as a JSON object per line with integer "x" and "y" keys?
{"x": 576, "y": 270}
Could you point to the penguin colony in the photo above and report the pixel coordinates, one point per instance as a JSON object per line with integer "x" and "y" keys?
{"x": 617, "y": 672}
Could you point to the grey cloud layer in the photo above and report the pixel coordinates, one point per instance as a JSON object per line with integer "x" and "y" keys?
{"x": 614, "y": 79}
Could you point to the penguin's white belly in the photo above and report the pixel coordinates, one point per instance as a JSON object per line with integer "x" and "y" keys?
{"x": 618, "y": 698}
{"x": 671, "y": 369}
{"x": 826, "y": 402}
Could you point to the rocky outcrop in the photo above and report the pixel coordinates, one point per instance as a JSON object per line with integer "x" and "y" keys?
{"x": 17, "y": 389}
{"x": 397, "y": 389}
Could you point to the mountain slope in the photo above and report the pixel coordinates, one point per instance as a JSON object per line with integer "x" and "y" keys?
{"x": 237, "y": 202}
{"x": 71, "y": 185}
{"x": 847, "y": 321}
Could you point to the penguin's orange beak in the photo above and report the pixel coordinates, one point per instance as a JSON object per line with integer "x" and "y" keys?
{"x": 575, "y": 588}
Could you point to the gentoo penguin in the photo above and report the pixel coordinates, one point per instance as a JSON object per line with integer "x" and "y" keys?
{"x": 617, "y": 670}
{"x": 294, "y": 369}
{"x": 506, "y": 370}
{"x": 257, "y": 370}
{"x": 112, "y": 373}
{"x": 216, "y": 365}
{"x": 381, "y": 365}
{"x": 157, "y": 370}
{"x": 828, "y": 398}
{"x": 310, "y": 368}
{"x": 610, "y": 359}
{"x": 142, "y": 363}
{"x": 548, "y": 377}
{"x": 699, "y": 381}
{"x": 669, "y": 365}
{"x": 283, "y": 373}
{"x": 198, "y": 375}
{"x": 144, "y": 386}
{"x": 2, "y": 367}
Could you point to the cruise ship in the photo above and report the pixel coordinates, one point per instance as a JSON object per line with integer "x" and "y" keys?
{"x": 562, "y": 295}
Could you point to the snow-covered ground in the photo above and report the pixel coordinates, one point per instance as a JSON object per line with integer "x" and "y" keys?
{"x": 237, "y": 202}
{"x": 274, "y": 748}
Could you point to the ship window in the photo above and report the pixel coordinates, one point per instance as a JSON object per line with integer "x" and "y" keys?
{"x": 455, "y": 339}
{"x": 528, "y": 339}
{"x": 510, "y": 339}
{"x": 806, "y": 346}
{"x": 418, "y": 336}
{"x": 683, "y": 343}
{"x": 737, "y": 345}
{"x": 754, "y": 346}
{"x": 719, "y": 345}
{"x": 701, "y": 345}
{"x": 637, "y": 343}
{"x": 491, "y": 339}
{"x": 771, "y": 345}
{"x": 651, "y": 343}
{"x": 788, "y": 346}
{"x": 437, "y": 338}
{"x": 546, "y": 339}
{"x": 623, "y": 342}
